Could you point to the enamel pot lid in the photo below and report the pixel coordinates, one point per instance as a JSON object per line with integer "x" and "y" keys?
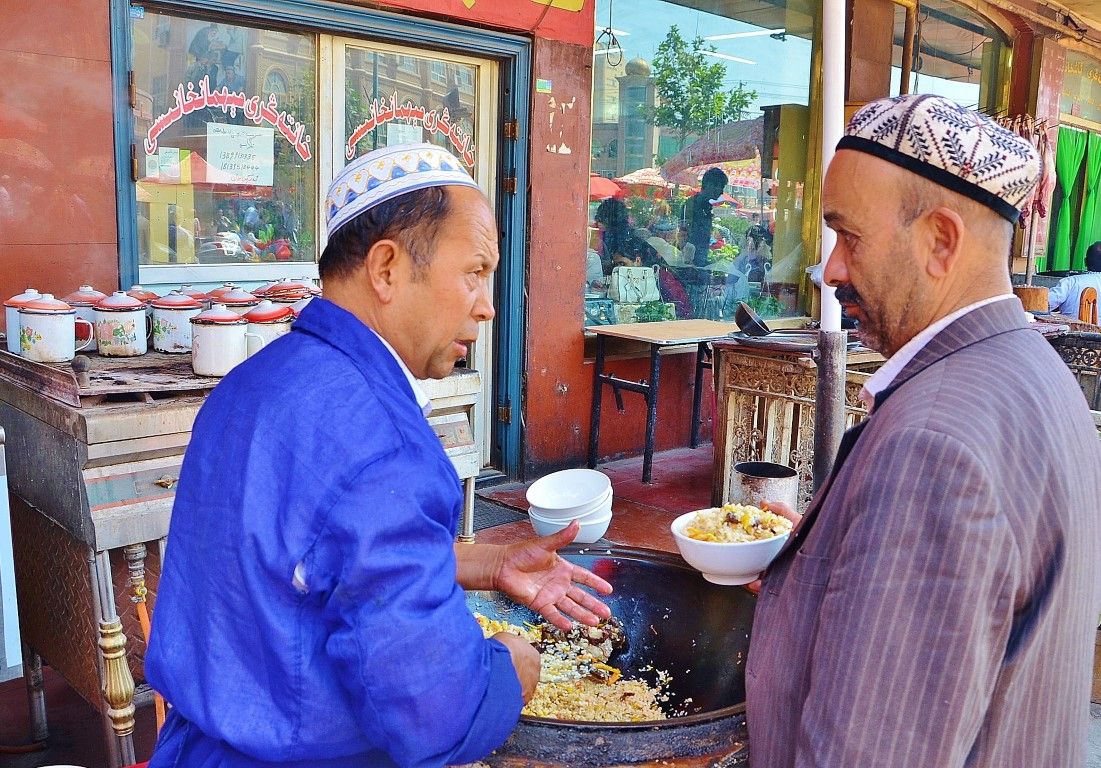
{"x": 119, "y": 301}
{"x": 176, "y": 300}
{"x": 219, "y": 315}
{"x": 84, "y": 296}
{"x": 141, "y": 294}
{"x": 47, "y": 304}
{"x": 27, "y": 295}
{"x": 267, "y": 312}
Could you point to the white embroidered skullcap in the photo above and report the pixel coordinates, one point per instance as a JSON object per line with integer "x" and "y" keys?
{"x": 955, "y": 147}
{"x": 386, "y": 173}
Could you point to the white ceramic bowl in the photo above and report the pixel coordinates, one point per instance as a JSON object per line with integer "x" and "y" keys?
{"x": 599, "y": 513}
{"x": 591, "y": 530}
{"x": 570, "y": 489}
{"x": 722, "y": 563}
{"x": 594, "y": 508}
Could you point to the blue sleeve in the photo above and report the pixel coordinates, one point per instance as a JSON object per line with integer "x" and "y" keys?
{"x": 1058, "y": 294}
{"x": 429, "y": 688}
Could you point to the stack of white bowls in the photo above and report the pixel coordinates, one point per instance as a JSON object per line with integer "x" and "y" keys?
{"x": 559, "y": 498}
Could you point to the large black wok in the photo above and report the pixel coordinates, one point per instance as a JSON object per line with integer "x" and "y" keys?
{"x": 675, "y": 621}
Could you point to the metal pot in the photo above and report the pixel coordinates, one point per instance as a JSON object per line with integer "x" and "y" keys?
{"x": 122, "y": 326}
{"x": 11, "y": 317}
{"x": 238, "y": 300}
{"x": 218, "y": 341}
{"x": 47, "y": 330}
{"x": 172, "y": 314}
{"x": 675, "y": 621}
{"x": 83, "y": 300}
{"x": 266, "y": 323}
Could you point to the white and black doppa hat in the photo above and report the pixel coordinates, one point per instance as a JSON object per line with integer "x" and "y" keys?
{"x": 955, "y": 147}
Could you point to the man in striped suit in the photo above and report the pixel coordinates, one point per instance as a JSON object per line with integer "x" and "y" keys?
{"x": 936, "y": 606}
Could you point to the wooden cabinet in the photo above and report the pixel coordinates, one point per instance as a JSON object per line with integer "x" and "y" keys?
{"x": 765, "y": 410}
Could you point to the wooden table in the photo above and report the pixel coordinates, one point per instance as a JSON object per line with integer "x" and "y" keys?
{"x": 658, "y": 335}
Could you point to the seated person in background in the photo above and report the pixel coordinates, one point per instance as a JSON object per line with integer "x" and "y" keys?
{"x": 755, "y": 260}
{"x": 619, "y": 245}
{"x": 622, "y": 247}
{"x": 1064, "y": 297}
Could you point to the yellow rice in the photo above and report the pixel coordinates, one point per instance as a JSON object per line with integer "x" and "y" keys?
{"x": 566, "y": 693}
{"x": 733, "y": 523}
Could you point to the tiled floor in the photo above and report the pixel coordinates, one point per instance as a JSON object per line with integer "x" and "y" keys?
{"x": 641, "y": 516}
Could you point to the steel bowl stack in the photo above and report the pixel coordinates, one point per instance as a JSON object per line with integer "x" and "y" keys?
{"x": 559, "y": 498}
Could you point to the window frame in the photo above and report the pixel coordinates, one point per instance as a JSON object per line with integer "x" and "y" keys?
{"x": 514, "y": 56}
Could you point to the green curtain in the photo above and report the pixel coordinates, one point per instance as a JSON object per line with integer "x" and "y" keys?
{"x": 1089, "y": 228}
{"x": 1068, "y": 159}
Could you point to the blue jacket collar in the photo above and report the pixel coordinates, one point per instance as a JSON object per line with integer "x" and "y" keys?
{"x": 339, "y": 328}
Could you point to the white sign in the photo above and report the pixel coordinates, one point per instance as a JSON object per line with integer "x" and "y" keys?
{"x": 240, "y": 154}
{"x": 168, "y": 164}
{"x": 399, "y": 133}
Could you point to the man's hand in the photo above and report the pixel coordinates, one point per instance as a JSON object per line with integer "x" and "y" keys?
{"x": 533, "y": 574}
{"x": 783, "y": 510}
{"x": 525, "y": 659}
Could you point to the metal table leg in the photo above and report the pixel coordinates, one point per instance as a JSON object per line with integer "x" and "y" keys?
{"x": 651, "y": 411}
{"x": 703, "y": 360}
{"x": 598, "y": 391}
{"x": 118, "y": 683}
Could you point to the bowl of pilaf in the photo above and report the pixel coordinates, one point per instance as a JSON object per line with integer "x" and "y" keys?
{"x": 731, "y": 544}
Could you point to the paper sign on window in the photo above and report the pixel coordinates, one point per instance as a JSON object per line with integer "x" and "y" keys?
{"x": 243, "y": 154}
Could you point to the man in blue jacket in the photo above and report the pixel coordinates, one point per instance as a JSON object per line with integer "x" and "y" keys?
{"x": 311, "y": 609}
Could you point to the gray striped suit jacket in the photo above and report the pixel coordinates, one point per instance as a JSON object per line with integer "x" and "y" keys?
{"x": 937, "y": 605}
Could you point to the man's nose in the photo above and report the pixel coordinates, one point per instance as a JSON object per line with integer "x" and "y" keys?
{"x": 836, "y": 272}
{"x": 483, "y": 305}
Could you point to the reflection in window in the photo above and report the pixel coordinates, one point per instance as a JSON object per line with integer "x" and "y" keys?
{"x": 408, "y": 109}
{"x": 958, "y": 54}
{"x": 224, "y": 127}
{"x": 705, "y": 138}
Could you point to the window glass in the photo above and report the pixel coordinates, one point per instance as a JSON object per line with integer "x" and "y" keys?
{"x": 225, "y": 126}
{"x": 958, "y": 54}
{"x": 698, "y": 158}
{"x": 395, "y": 99}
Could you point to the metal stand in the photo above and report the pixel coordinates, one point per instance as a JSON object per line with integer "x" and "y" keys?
{"x": 36, "y": 694}
{"x": 466, "y": 527}
{"x": 829, "y": 411}
{"x": 649, "y": 390}
{"x": 703, "y": 360}
{"x": 118, "y": 683}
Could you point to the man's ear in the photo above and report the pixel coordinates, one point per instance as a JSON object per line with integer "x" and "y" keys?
{"x": 382, "y": 265}
{"x": 945, "y": 231}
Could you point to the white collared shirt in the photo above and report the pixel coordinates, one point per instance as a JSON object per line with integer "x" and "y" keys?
{"x": 418, "y": 392}
{"x": 884, "y": 377}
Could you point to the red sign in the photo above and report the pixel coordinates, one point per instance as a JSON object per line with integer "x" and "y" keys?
{"x": 386, "y": 110}
{"x": 570, "y": 21}
{"x": 259, "y": 112}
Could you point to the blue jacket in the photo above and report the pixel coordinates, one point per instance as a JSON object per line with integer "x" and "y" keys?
{"x": 313, "y": 455}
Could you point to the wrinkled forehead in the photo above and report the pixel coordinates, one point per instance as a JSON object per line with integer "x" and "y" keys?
{"x": 859, "y": 185}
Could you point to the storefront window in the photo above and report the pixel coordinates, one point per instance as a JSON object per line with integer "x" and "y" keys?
{"x": 225, "y": 127}
{"x": 699, "y": 157}
{"x": 394, "y": 98}
{"x": 958, "y": 54}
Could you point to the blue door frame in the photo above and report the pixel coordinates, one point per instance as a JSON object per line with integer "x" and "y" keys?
{"x": 513, "y": 55}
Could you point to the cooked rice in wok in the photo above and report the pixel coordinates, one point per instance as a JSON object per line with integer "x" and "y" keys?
{"x": 575, "y": 680}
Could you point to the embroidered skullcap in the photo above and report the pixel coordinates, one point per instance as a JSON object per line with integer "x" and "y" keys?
{"x": 386, "y": 173}
{"x": 955, "y": 147}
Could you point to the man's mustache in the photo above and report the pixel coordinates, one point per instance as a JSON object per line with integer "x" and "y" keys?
{"x": 846, "y": 294}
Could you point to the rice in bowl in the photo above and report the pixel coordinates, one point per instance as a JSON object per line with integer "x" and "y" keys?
{"x": 736, "y": 523}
